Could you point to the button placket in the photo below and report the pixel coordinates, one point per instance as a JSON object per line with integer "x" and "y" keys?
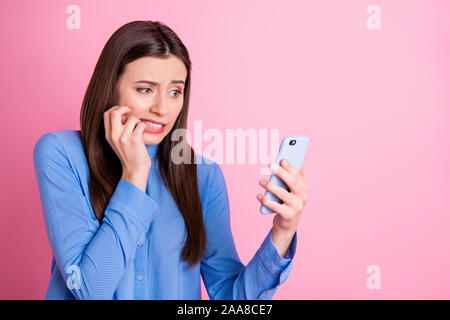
{"x": 139, "y": 269}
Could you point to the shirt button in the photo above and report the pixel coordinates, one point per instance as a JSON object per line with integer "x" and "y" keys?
{"x": 137, "y": 246}
{"x": 140, "y": 277}
{"x": 268, "y": 291}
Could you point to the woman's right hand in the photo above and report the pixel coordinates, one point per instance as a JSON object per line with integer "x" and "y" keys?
{"x": 126, "y": 141}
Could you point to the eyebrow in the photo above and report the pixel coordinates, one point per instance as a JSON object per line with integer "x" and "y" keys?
{"x": 153, "y": 83}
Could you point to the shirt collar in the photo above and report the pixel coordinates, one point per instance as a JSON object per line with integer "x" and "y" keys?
{"x": 152, "y": 149}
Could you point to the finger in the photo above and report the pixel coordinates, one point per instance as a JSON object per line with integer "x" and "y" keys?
{"x": 277, "y": 191}
{"x": 289, "y": 167}
{"x": 129, "y": 126}
{"x": 288, "y": 178}
{"x": 272, "y": 205}
{"x": 294, "y": 202}
{"x": 115, "y": 120}
{"x": 304, "y": 196}
{"x": 107, "y": 122}
{"x": 302, "y": 169}
{"x": 302, "y": 179}
{"x": 139, "y": 130}
{"x": 294, "y": 181}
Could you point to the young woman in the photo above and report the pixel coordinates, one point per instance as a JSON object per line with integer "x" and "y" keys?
{"x": 123, "y": 220}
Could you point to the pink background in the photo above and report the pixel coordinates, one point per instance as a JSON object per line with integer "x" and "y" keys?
{"x": 374, "y": 103}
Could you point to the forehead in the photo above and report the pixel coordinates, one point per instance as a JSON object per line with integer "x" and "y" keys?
{"x": 155, "y": 69}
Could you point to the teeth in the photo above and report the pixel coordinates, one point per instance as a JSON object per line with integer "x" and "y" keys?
{"x": 153, "y": 125}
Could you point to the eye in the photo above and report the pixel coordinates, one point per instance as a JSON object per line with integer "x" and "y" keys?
{"x": 143, "y": 89}
{"x": 179, "y": 92}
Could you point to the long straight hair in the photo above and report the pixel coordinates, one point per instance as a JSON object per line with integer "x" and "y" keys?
{"x": 130, "y": 42}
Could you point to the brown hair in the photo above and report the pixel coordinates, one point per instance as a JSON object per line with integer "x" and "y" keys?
{"x": 132, "y": 41}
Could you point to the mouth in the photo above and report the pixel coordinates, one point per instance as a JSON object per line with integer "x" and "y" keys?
{"x": 153, "y": 124}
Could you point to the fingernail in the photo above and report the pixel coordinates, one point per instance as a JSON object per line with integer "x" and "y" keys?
{"x": 259, "y": 196}
{"x": 262, "y": 182}
{"x": 273, "y": 167}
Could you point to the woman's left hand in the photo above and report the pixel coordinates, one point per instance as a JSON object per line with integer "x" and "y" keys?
{"x": 288, "y": 213}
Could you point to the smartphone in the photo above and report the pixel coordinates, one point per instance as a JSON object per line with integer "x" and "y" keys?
{"x": 293, "y": 149}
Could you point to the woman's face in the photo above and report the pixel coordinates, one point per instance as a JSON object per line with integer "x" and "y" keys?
{"x": 154, "y": 89}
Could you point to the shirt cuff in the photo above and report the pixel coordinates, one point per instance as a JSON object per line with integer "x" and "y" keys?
{"x": 134, "y": 202}
{"x": 277, "y": 266}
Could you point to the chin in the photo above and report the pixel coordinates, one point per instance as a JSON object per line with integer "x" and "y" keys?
{"x": 152, "y": 140}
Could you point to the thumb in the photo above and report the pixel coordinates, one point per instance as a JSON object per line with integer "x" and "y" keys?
{"x": 302, "y": 169}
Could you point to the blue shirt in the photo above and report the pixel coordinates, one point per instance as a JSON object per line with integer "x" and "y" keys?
{"x": 135, "y": 252}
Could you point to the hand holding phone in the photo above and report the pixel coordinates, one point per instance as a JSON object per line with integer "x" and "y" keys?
{"x": 293, "y": 149}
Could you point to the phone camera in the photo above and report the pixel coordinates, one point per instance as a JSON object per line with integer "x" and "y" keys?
{"x": 292, "y": 142}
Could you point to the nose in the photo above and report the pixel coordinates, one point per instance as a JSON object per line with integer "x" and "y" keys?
{"x": 160, "y": 104}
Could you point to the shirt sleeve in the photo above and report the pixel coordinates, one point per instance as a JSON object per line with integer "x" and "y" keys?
{"x": 91, "y": 257}
{"x": 224, "y": 275}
